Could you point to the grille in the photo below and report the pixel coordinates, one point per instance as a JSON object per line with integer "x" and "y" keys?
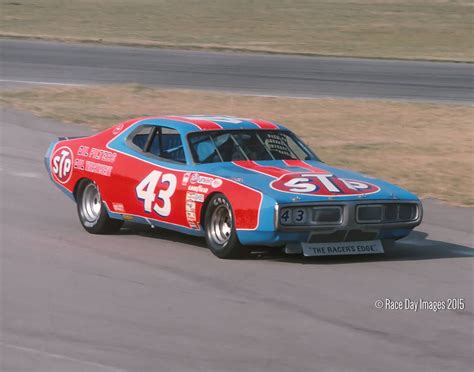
{"x": 370, "y": 213}
{"x": 406, "y": 212}
{"x": 327, "y": 214}
{"x": 391, "y": 212}
{"x": 388, "y": 212}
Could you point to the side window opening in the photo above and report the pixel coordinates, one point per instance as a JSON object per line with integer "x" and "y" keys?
{"x": 140, "y": 137}
{"x": 167, "y": 144}
{"x": 162, "y": 142}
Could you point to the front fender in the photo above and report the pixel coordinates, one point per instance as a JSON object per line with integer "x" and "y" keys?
{"x": 265, "y": 230}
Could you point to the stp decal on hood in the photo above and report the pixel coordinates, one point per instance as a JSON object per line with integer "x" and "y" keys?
{"x": 324, "y": 184}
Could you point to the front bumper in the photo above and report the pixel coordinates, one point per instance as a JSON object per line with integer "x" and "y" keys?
{"x": 347, "y": 228}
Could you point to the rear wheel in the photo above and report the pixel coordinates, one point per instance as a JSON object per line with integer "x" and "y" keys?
{"x": 92, "y": 211}
{"x": 221, "y": 236}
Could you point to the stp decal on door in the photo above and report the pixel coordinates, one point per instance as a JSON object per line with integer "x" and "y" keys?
{"x": 322, "y": 185}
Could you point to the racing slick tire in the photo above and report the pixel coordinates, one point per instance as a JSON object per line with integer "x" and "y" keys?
{"x": 221, "y": 236}
{"x": 92, "y": 211}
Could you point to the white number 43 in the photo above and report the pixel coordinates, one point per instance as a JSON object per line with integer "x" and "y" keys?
{"x": 146, "y": 191}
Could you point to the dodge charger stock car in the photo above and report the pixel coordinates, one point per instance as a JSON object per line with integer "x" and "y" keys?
{"x": 237, "y": 182}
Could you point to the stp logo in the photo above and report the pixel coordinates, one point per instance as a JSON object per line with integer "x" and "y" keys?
{"x": 322, "y": 184}
{"x": 61, "y": 164}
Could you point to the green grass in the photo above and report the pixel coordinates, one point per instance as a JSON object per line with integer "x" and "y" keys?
{"x": 412, "y": 29}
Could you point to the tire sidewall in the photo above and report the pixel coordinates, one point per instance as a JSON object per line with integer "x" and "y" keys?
{"x": 103, "y": 224}
{"x": 232, "y": 247}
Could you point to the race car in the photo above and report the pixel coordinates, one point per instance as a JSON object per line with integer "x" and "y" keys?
{"x": 237, "y": 182}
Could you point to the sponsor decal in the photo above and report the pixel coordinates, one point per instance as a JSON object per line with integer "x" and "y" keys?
{"x": 322, "y": 185}
{"x": 193, "y": 195}
{"x": 333, "y": 249}
{"x": 83, "y": 151}
{"x": 196, "y": 197}
{"x": 103, "y": 155}
{"x": 216, "y": 183}
{"x": 191, "y": 216}
{"x": 102, "y": 169}
{"x": 194, "y": 178}
{"x": 62, "y": 164}
{"x": 117, "y": 129}
{"x": 185, "y": 180}
{"x": 79, "y": 164}
{"x": 193, "y": 225}
{"x": 204, "y": 180}
{"x": 118, "y": 207}
{"x": 190, "y": 206}
{"x": 198, "y": 188}
{"x": 97, "y": 154}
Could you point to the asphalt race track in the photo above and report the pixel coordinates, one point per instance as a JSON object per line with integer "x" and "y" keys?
{"x": 59, "y": 63}
{"x": 158, "y": 301}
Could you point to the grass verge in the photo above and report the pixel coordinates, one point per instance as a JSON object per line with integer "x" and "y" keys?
{"x": 426, "y": 148}
{"x": 408, "y": 29}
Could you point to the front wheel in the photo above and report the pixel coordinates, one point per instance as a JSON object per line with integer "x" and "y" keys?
{"x": 221, "y": 236}
{"x": 92, "y": 212}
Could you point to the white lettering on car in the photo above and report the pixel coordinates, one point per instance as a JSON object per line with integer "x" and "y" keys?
{"x": 147, "y": 191}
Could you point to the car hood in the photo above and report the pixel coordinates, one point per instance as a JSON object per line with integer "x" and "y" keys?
{"x": 307, "y": 181}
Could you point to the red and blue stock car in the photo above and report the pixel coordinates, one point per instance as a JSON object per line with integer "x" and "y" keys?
{"x": 237, "y": 182}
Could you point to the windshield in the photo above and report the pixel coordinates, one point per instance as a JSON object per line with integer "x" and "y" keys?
{"x": 233, "y": 145}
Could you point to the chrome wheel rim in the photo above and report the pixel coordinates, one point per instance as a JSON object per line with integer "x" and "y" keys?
{"x": 220, "y": 228}
{"x": 91, "y": 203}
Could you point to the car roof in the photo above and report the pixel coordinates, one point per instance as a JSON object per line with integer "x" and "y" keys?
{"x": 196, "y": 123}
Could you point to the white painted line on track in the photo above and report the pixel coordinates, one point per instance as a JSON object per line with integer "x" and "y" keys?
{"x": 59, "y": 356}
{"x": 41, "y": 83}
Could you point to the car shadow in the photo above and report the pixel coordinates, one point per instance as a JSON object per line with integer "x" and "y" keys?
{"x": 138, "y": 229}
{"x": 415, "y": 247}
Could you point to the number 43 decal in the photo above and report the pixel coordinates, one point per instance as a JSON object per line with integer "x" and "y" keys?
{"x": 158, "y": 200}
